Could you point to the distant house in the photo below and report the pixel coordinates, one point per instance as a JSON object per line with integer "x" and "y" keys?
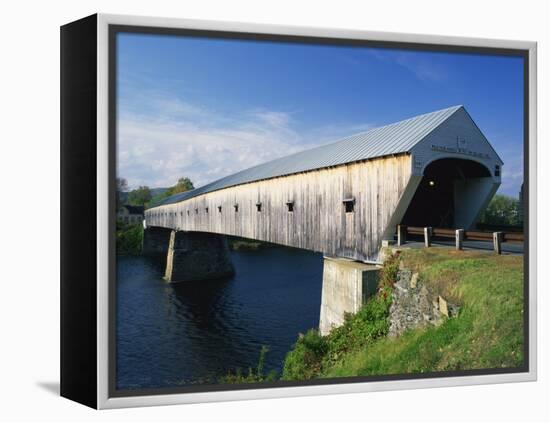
{"x": 130, "y": 214}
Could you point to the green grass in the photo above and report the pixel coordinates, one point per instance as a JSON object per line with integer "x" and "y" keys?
{"x": 252, "y": 375}
{"x": 487, "y": 333}
{"x": 129, "y": 238}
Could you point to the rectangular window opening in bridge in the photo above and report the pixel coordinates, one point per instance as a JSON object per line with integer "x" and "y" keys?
{"x": 236, "y": 208}
{"x": 290, "y": 205}
{"x": 187, "y": 212}
{"x": 259, "y": 207}
{"x": 349, "y": 204}
{"x": 206, "y": 209}
{"x": 196, "y": 211}
{"x": 219, "y": 209}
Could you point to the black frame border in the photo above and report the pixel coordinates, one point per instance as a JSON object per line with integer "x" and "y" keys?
{"x": 115, "y": 29}
{"x": 78, "y": 225}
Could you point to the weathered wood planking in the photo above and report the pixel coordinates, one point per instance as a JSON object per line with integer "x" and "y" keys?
{"x": 319, "y": 221}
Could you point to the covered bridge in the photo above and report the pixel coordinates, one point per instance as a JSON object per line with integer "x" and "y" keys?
{"x": 344, "y": 198}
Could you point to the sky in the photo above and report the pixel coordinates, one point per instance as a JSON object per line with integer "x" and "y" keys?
{"x": 206, "y": 108}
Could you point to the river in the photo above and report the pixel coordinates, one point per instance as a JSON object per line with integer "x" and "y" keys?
{"x": 186, "y": 333}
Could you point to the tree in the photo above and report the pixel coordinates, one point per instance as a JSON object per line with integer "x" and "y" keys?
{"x": 502, "y": 210}
{"x": 139, "y": 196}
{"x": 121, "y": 186}
{"x": 184, "y": 184}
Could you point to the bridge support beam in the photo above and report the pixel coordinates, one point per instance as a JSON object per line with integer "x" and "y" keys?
{"x": 194, "y": 256}
{"x": 347, "y": 285}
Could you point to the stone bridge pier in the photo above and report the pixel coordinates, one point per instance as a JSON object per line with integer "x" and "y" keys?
{"x": 190, "y": 256}
{"x": 156, "y": 241}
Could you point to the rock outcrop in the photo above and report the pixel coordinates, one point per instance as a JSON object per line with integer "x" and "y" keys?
{"x": 414, "y": 306}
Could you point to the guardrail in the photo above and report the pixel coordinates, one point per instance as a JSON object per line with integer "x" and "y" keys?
{"x": 459, "y": 235}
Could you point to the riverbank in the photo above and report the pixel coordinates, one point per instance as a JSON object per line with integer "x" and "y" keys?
{"x": 485, "y": 333}
{"x": 436, "y": 309}
{"x": 129, "y": 238}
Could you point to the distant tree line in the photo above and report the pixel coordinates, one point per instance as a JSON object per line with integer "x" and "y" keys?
{"x": 145, "y": 196}
{"x": 502, "y": 211}
{"x": 129, "y": 236}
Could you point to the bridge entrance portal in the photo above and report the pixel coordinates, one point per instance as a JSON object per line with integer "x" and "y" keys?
{"x": 449, "y": 194}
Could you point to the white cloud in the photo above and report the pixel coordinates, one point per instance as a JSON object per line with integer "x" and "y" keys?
{"x": 173, "y": 139}
{"x": 423, "y": 68}
{"x": 274, "y": 119}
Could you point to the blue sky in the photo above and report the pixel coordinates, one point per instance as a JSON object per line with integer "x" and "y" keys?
{"x": 206, "y": 108}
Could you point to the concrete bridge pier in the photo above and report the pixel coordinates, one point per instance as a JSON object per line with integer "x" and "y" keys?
{"x": 347, "y": 285}
{"x": 194, "y": 256}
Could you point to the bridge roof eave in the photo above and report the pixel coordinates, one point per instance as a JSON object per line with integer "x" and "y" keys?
{"x": 189, "y": 197}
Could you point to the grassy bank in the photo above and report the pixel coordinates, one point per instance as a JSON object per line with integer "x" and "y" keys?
{"x": 129, "y": 238}
{"x": 487, "y": 333}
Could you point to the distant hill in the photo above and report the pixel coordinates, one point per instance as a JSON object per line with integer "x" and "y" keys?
{"x": 157, "y": 191}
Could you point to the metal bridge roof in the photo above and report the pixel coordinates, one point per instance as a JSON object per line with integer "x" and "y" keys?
{"x": 395, "y": 138}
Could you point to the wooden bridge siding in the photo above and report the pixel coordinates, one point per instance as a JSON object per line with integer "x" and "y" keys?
{"x": 319, "y": 221}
